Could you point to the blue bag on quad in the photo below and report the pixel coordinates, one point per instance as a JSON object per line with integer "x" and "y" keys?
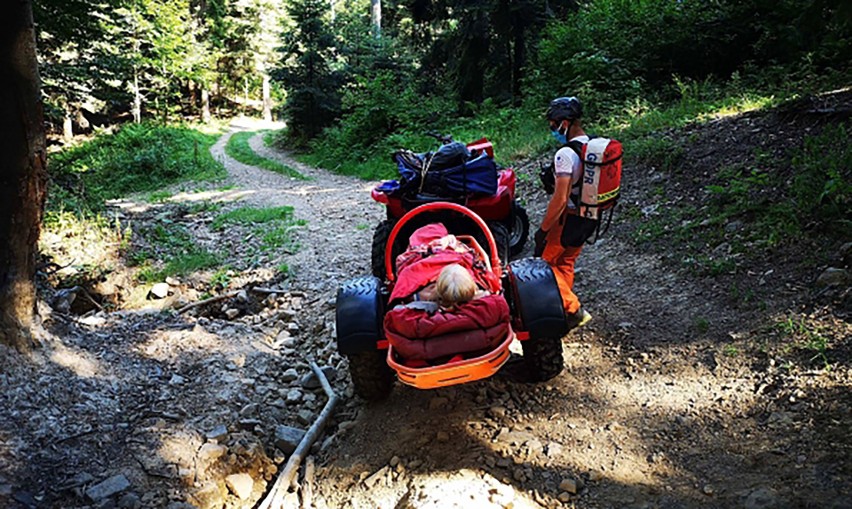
{"x": 448, "y": 172}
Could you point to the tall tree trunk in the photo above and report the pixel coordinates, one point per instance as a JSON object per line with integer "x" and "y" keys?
{"x": 22, "y": 173}
{"x": 267, "y": 100}
{"x": 205, "y": 105}
{"x": 193, "y": 98}
{"x": 137, "y": 97}
{"x": 376, "y": 17}
{"x": 245, "y": 97}
{"x": 520, "y": 58}
{"x": 217, "y": 87}
{"x": 67, "y": 125}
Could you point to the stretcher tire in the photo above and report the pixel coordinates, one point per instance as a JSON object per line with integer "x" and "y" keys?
{"x": 538, "y": 305}
{"x": 359, "y": 315}
{"x": 501, "y": 238}
{"x": 371, "y": 375}
{"x": 519, "y": 229}
{"x": 380, "y": 241}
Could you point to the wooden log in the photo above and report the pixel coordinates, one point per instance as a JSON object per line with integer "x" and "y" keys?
{"x": 208, "y": 301}
{"x": 307, "y": 484}
{"x": 285, "y": 477}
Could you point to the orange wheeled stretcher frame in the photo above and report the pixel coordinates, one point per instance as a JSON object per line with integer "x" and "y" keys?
{"x": 460, "y": 371}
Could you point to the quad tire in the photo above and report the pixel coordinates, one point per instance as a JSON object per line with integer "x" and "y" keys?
{"x": 371, "y": 375}
{"x": 501, "y": 238}
{"x": 543, "y": 357}
{"x": 359, "y": 317}
{"x": 519, "y": 229}
{"x": 537, "y": 302}
{"x": 380, "y": 242}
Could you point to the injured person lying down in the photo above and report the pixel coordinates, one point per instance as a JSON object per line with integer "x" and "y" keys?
{"x": 441, "y": 306}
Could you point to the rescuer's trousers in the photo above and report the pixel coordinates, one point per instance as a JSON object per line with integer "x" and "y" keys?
{"x": 561, "y": 260}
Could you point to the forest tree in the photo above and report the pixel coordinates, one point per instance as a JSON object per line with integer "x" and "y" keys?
{"x": 22, "y": 174}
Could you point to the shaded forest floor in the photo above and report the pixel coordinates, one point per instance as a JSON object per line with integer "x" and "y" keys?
{"x": 714, "y": 373}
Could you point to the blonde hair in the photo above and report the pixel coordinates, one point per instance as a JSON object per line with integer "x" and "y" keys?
{"x": 454, "y": 285}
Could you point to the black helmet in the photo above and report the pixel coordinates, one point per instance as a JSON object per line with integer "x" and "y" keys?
{"x": 563, "y": 108}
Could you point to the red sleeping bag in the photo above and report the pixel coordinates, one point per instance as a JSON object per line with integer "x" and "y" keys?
{"x": 415, "y": 334}
{"x": 478, "y": 324}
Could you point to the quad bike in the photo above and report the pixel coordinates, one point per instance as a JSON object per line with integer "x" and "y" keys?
{"x": 528, "y": 287}
{"x": 506, "y": 218}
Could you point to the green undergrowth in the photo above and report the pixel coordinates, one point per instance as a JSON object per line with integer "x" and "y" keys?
{"x": 137, "y": 158}
{"x": 250, "y": 215}
{"x": 643, "y": 123}
{"x": 752, "y": 207}
{"x": 509, "y": 130}
{"x": 238, "y": 148}
{"x": 169, "y": 249}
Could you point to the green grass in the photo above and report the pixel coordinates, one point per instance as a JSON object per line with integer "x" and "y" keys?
{"x": 181, "y": 265}
{"x": 776, "y": 208}
{"x": 250, "y": 215}
{"x": 222, "y": 278}
{"x": 202, "y": 207}
{"x": 171, "y": 251}
{"x": 138, "y": 158}
{"x": 238, "y": 148}
{"x": 270, "y": 138}
{"x": 730, "y": 351}
{"x": 159, "y": 196}
{"x": 808, "y": 338}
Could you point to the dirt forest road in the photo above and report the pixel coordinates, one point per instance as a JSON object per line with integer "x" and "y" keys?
{"x": 669, "y": 398}
{"x": 339, "y": 219}
{"x": 648, "y": 412}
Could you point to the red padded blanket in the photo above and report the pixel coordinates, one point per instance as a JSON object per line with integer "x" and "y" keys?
{"x": 474, "y": 325}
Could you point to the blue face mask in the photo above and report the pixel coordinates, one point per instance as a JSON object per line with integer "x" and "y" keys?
{"x": 559, "y": 137}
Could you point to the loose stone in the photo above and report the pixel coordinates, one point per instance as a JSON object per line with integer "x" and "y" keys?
{"x": 108, "y": 487}
{"x": 240, "y": 485}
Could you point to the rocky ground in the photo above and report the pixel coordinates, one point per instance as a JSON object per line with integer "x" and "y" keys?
{"x": 673, "y": 396}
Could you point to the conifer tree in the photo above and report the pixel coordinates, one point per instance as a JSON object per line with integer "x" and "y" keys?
{"x": 313, "y": 99}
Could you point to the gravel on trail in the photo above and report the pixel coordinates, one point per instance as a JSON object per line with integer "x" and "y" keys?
{"x": 148, "y": 409}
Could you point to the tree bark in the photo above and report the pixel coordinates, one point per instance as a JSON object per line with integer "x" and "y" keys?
{"x": 519, "y": 60}
{"x": 267, "y": 100}
{"x": 22, "y": 174}
{"x": 245, "y": 97}
{"x": 376, "y": 17}
{"x": 193, "y": 98}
